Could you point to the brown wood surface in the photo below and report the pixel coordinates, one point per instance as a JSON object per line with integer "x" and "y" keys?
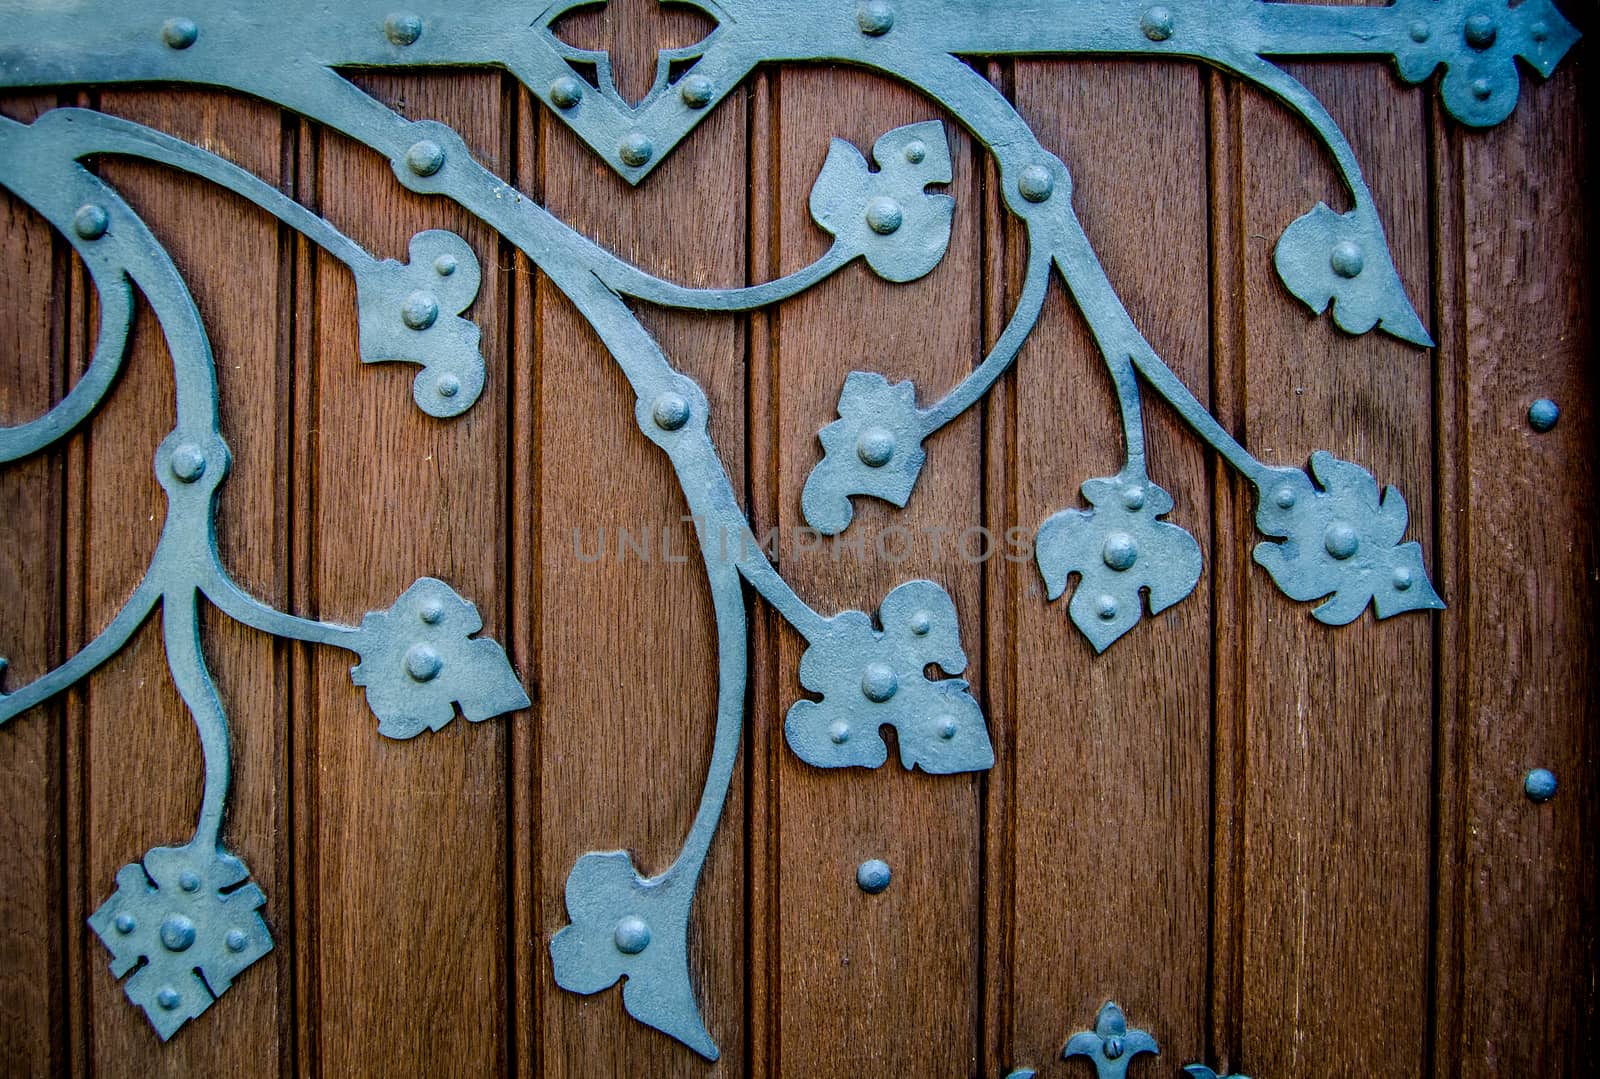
{"x": 1286, "y": 849}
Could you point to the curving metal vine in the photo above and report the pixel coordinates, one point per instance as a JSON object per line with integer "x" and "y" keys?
{"x": 183, "y": 918}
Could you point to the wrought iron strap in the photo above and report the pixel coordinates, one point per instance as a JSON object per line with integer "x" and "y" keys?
{"x": 1332, "y": 535}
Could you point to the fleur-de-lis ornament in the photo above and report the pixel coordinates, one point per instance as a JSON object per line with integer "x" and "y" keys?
{"x": 1110, "y": 1046}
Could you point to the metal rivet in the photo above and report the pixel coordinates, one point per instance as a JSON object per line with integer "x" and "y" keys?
{"x": 875, "y": 18}
{"x": 1120, "y": 552}
{"x": 420, "y": 310}
{"x": 1113, "y": 1048}
{"x": 884, "y": 216}
{"x": 873, "y": 876}
{"x": 922, "y": 623}
{"x": 671, "y": 411}
{"x": 878, "y": 682}
{"x": 916, "y": 151}
{"x": 1420, "y": 32}
{"x": 425, "y": 158}
{"x": 1543, "y": 414}
{"x": 432, "y": 612}
{"x": 1401, "y": 579}
{"x": 1539, "y": 31}
{"x": 875, "y": 447}
{"x": 189, "y": 881}
{"x": 948, "y": 727}
{"x": 1540, "y": 785}
{"x": 1157, "y": 23}
{"x": 1347, "y": 260}
{"x": 168, "y": 997}
{"x": 445, "y": 265}
{"x": 423, "y": 663}
{"x": 839, "y": 731}
{"x": 126, "y": 924}
{"x": 91, "y": 222}
{"x": 179, "y": 33}
{"x": 566, "y": 92}
{"x": 402, "y": 28}
{"x": 448, "y": 386}
{"x": 636, "y": 149}
{"x": 235, "y": 940}
{"x": 696, "y": 91}
{"x": 1133, "y": 498}
{"x": 177, "y": 933}
{"x": 632, "y": 935}
{"x": 188, "y": 462}
{"x": 1036, "y": 183}
{"x": 1480, "y": 31}
{"x": 1341, "y": 540}
{"x": 1106, "y": 607}
{"x": 1482, "y": 89}
{"x": 1286, "y": 498}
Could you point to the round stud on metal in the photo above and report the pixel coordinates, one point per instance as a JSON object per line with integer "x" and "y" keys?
{"x": 1120, "y": 552}
{"x": 425, "y": 158}
{"x": 875, "y": 18}
{"x": 1482, "y": 89}
{"x": 1480, "y": 31}
{"x": 402, "y": 28}
{"x": 1539, "y": 785}
{"x": 916, "y": 151}
{"x": 1036, "y": 183}
{"x": 884, "y": 216}
{"x": 189, "y": 881}
{"x": 448, "y": 385}
{"x": 177, "y": 933}
{"x": 878, "y": 682}
{"x": 1286, "y": 498}
{"x": 671, "y": 411}
{"x": 1106, "y": 607}
{"x": 566, "y": 92}
{"x": 1341, "y": 540}
{"x": 1401, "y": 579}
{"x": 446, "y": 265}
{"x": 1133, "y": 499}
{"x": 873, "y": 876}
{"x": 922, "y": 623}
{"x": 696, "y": 91}
{"x": 1157, "y": 23}
{"x": 875, "y": 447}
{"x": 432, "y": 612}
{"x": 91, "y": 222}
{"x": 168, "y": 998}
{"x": 1347, "y": 260}
{"x": 1539, "y": 31}
{"x": 420, "y": 310}
{"x": 632, "y": 935}
{"x": 839, "y": 732}
{"x": 126, "y": 924}
{"x": 1113, "y": 1048}
{"x": 188, "y": 462}
{"x": 636, "y": 149}
{"x": 235, "y": 940}
{"x": 423, "y": 663}
{"x": 948, "y": 728}
{"x": 1420, "y": 32}
{"x": 179, "y": 33}
{"x": 1543, "y": 414}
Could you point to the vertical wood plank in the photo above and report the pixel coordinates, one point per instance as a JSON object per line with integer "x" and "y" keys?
{"x": 33, "y": 313}
{"x": 411, "y": 858}
{"x": 1339, "y": 722}
{"x": 626, "y": 642}
{"x": 881, "y": 984}
{"x": 1526, "y": 942}
{"x": 1112, "y": 809}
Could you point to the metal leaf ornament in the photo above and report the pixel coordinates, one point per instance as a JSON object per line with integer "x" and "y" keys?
{"x": 874, "y": 448}
{"x": 1119, "y": 550}
{"x": 1341, "y": 541}
{"x": 419, "y": 659}
{"x": 1202, "y": 1071}
{"x": 1110, "y": 1046}
{"x": 888, "y": 216}
{"x": 1343, "y": 259}
{"x": 869, "y": 678}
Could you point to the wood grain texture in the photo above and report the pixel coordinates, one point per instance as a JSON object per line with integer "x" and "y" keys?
{"x": 885, "y": 982}
{"x": 1111, "y": 812}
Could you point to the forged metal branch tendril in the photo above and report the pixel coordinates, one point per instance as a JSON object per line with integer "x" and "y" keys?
{"x": 1336, "y": 537}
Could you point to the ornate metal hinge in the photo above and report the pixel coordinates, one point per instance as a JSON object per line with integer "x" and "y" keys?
{"x": 1332, "y": 534}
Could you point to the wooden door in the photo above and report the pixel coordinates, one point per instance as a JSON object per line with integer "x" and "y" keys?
{"x": 1284, "y": 849}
